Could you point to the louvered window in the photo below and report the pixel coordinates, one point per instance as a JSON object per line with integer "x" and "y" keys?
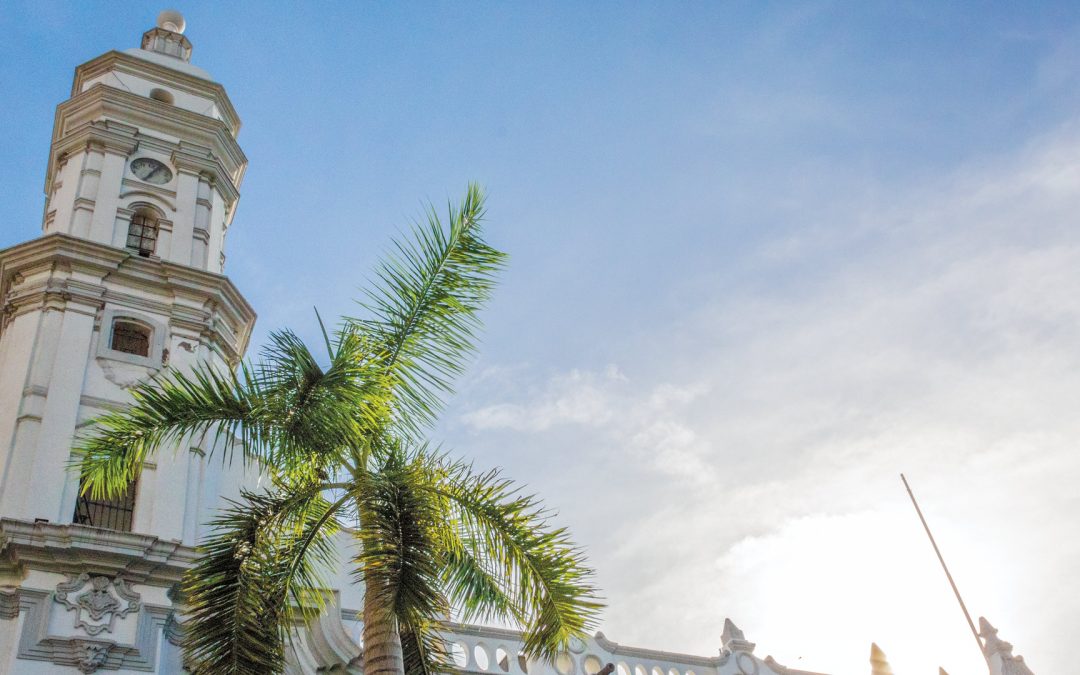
{"x": 130, "y": 338}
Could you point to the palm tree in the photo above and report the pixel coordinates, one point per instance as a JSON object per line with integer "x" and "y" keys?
{"x": 342, "y": 444}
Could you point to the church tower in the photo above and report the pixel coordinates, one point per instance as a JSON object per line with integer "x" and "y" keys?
{"x": 127, "y": 278}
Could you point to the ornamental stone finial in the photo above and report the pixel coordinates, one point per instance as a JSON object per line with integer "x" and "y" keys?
{"x": 733, "y": 639}
{"x": 171, "y": 20}
{"x": 167, "y": 37}
{"x": 999, "y": 652}
{"x": 879, "y": 664}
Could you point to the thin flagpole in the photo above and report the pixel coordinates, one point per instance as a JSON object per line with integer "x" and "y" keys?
{"x": 956, "y": 591}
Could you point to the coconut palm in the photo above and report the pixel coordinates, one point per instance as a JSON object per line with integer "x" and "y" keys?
{"x": 341, "y": 442}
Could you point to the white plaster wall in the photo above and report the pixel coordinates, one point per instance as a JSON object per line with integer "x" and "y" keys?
{"x": 142, "y": 86}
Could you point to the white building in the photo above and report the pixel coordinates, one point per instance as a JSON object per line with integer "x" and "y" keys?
{"x": 127, "y": 278}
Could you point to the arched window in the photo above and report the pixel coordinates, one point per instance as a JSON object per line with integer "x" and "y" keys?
{"x": 130, "y": 337}
{"x": 142, "y": 234}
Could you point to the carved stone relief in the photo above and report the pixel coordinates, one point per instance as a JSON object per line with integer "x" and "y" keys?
{"x": 91, "y": 655}
{"x": 97, "y": 608}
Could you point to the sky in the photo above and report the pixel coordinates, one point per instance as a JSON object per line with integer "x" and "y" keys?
{"x": 764, "y": 258}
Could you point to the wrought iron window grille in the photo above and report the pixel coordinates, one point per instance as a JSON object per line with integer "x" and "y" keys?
{"x": 111, "y": 514}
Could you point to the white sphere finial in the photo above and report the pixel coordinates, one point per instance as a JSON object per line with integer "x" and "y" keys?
{"x": 172, "y": 20}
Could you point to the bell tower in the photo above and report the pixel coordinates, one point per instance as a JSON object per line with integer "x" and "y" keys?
{"x": 127, "y": 279}
{"x": 144, "y": 154}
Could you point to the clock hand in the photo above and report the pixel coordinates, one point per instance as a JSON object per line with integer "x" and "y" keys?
{"x": 155, "y": 172}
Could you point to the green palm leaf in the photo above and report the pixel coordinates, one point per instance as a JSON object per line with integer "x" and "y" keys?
{"x": 424, "y": 309}
{"x": 512, "y": 562}
{"x": 262, "y": 562}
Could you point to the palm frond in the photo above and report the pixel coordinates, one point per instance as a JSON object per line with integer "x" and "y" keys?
{"x": 262, "y": 563}
{"x": 514, "y": 563}
{"x": 286, "y": 412}
{"x": 319, "y": 413}
{"x": 423, "y": 648}
{"x": 424, "y": 307}
{"x": 398, "y": 559}
{"x": 223, "y": 406}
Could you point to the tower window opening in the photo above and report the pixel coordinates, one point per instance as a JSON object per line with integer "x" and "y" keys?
{"x": 161, "y": 95}
{"x": 142, "y": 234}
{"x": 112, "y": 514}
{"x": 130, "y": 338}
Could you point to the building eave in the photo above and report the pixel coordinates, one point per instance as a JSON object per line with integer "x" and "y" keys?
{"x": 180, "y": 281}
{"x": 119, "y": 61}
{"x": 52, "y": 547}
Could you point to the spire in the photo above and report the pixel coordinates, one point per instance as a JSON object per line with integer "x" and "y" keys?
{"x": 879, "y": 665}
{"x": 168, "y": 36}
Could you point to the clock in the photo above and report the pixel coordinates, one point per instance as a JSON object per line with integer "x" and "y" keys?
{"x": 151, "y": 171}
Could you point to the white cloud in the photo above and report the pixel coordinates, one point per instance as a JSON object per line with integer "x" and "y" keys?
{"x": 647, "y": 422}
{"x": 934, "y": 332}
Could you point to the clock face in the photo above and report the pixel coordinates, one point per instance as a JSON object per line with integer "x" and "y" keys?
{"x": 151, "y": 171}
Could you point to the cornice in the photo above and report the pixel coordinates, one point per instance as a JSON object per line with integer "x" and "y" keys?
{"x": 83, "y": 118}
{"x": 126, "y": 63}
{"x": 62, "y": 548}
{"x": 200, "y": 160}
{"x": 106, "y": 262}
{"x": 108, "y": 134}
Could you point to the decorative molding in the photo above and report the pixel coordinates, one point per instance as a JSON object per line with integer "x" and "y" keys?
{"x": 101, "y": 101}
{"x": 92, "y": 655}
{"x": 9, "y": 603}
{"x": 733, "y": 640}
{"x": 97, "y": 609}
{"x": 60, "y": 548}
{"x": 37, "y": 643}
{"x": 130, "y": 190}
{"x": 784, "y": 670}
{"x": 644, "y": 654}
{"x": 203, "y": 162}
{"x": 192, "y": 292}
{"x": 125, "y": 63}
{"x": 99, "y": 403}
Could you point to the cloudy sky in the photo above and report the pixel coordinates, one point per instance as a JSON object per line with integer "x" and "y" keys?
{"x": 765, "y": 257}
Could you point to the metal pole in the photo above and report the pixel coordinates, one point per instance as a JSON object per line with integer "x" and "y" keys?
{"x": 956, "y": 591}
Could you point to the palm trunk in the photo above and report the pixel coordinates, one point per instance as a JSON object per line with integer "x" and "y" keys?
{"x": 382, "y": 643}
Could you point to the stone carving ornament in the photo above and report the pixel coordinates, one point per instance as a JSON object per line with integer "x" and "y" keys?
{"x": 97, "y": 608}
{"x": 91, "y": 655}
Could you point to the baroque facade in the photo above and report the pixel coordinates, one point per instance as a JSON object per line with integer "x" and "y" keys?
{"x": 126, "y": 279}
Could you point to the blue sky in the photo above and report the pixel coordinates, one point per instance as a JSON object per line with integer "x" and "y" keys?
{"x": 764, "y": 257}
